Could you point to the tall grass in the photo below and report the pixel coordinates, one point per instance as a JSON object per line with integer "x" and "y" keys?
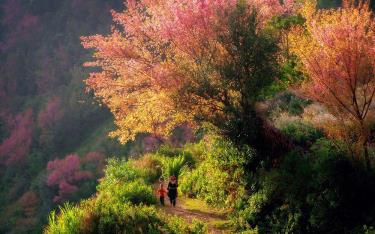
{"x": 66, "y": 221}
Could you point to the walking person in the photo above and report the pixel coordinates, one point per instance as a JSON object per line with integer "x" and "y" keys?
{"x": 161, "y": 192}
{"x": 172, "y": 190}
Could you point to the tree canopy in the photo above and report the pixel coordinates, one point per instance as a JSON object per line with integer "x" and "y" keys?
{"x": 172, "y": 62}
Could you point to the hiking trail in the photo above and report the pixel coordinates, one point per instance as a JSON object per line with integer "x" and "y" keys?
{"x": 190, "y": 209}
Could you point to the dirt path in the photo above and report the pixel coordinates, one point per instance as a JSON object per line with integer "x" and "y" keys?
{"x": 190, "y": 209}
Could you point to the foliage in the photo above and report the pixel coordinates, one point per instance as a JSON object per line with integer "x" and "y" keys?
{"x": 187, "y": 64}
{"x": 172, "y": 152}
{"x": 44, "y": 113}
{"x": 67, "y": 221}
{"x": 290, "y": 73}
{"x": 173, "y": 166}
{"x": 136, "y": 192}
{"x": 125, "y": 183}
{"x": 322, "y": 192}
{"x": 300, "y": 132}
{"x": 336, "y": 48}
{"x": 108, "y": 217}
{"x": 29, "y": 207}
{"x": 157, "y": 73}
{"x": 148, "y": 167}
{"x": 286, "y": 102}
{"x": 123, "y": 204}
{"x": 221, "y": 177}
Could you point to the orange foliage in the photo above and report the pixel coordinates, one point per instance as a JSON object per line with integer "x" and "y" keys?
{"x": 156, "y": 51}
{"x": 337, "y": 50}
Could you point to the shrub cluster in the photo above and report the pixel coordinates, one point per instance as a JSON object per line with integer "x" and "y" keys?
{"x": 221, "y": 177}
{"x": 319, "y": 192}
{"x": 123, "y": 204}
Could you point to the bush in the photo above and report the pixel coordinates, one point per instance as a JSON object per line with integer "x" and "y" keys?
{"x": 122, "y": 205}
{"x": 288, "y": 102}
{"x": 220, "y": 178}
{"x": 148, "y": 167}
{"x": 173, "y": 166}
{"x": 319, "y": 192}
{"x": 301, "y": 133}
{"x": 118, "y": 171}
{"x": 170, "y": 152}
{"x": 124, "y": 183}
{"x": 136, "y": 192}
{"x": 124, "y": 218}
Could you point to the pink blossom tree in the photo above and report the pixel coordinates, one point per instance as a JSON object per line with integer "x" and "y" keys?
{"x": 15, "y": 148}
{"x": 68, "y": 173}
{"x": 51, "y": 113}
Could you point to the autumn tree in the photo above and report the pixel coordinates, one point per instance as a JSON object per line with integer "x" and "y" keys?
{"x": 337, "y": 50}
{"x": 170, "y": 62}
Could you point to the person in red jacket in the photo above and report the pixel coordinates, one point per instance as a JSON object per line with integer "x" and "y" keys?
{"x": 162, "y": 192}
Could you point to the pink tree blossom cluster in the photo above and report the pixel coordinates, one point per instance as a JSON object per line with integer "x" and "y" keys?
{"x": 67, "y": 173}
{"x": 184, "y": 21}
{"x": 15, "y": 148}
{"x": 51, "y": 113}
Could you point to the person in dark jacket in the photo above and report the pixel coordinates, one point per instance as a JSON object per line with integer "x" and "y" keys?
{"x": 172, "y": 190}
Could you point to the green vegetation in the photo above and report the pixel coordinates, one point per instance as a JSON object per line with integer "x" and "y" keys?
{"x": 263, "y": 110}
{"x": 173, "y": 166}
{"x": 315, "y": 191}
{"x": 123, "y": 204}
{"x": 221, "y": 177}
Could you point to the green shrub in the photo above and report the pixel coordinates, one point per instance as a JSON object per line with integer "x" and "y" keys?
{"x": 302, "y": 133}
{"x": 196, "y": 151}
{"x": 173, "y": 166}
{"x": 148, "y": 167}
{"x": 122, "y": 205}
{"x": 319, "y": 192}
{"x": 135, "y": 192}
{"x": 118, "y": 171}
{"x": 198, "y": 227}
{"x": 288, "y": 102}
{"x": 125, "y": 218}
{"x": 220, "y": 177}
{"x": 170, "y": 152}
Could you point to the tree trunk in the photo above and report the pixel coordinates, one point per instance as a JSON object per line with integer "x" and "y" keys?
{"x": 367, "y": 156}
{"x": 365, "y": 138}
